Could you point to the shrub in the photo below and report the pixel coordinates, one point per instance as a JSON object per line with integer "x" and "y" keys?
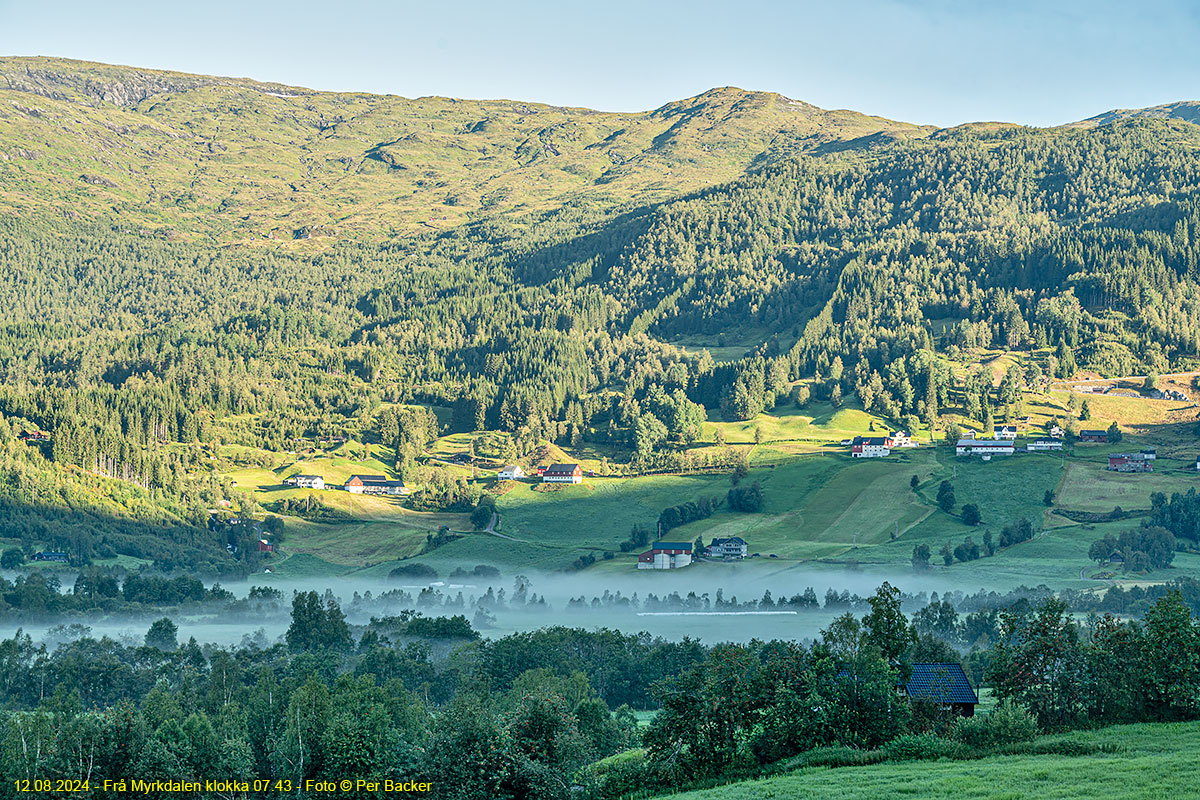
{"x": 836, "y": 756}
{"x": 1007, "y": 724}
{"x": 480, "y": 571}
{"x": 413, "y": 571}
{"x": 918, "y": 747}
{"x": 1060, "y": 746}
{"x": 746, "y": 498}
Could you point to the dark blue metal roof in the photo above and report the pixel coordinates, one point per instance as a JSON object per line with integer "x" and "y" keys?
{"x": 941, "y": 683}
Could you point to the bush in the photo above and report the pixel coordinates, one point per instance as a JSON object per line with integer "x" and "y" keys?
{"x": 413, "y": 571}
{"x": 456, "y": 627}
{"x": 480, "y": 571}
{"x": 1062, "y": 747}
{"x": 918, "y": 747}
{"x": 746, "y": 498}
{"x": 1007, "y": 724}
{"x": 836, "y": 756}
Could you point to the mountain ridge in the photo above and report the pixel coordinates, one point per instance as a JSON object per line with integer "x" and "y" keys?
{"x": 240, "y": 159}
{"x": 236, "y": 160}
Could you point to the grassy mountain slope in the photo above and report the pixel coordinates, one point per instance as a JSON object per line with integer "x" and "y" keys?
{"x": 1187, "y": 111}
{"x": 238, "y": 159}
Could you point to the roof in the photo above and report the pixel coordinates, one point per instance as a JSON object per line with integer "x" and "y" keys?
{"x": 305, "y": 477}
{"x": 671, "y": 546}
{"x": 369, "y": 478}
{"x": 730, "y": 540}
{"x": 509, "y": 468}
{"x": 984, "y": 444}
{"x": 567, "y": 468}
{"x": 880, "y": 441}
{"x": 1093, "y": 433}
{"x": 1006, "y": 428}
{"x": 942, "y": 683}
{"x": 1055, "y": 442}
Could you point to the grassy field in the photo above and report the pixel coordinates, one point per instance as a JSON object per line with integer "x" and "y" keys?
{"x": 1088, "y": 486}
{"x": 815, "y": 424}
{"x": 823, "y": 511}
{"x": 1150, "y": 762}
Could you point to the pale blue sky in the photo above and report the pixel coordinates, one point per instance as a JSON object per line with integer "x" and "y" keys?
{"x": 930, "y": 61}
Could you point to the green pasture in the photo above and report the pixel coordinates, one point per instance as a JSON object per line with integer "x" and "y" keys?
{"x": 822, "y": 510}
{"x": 817, "y": 422}
{"x": 1147, "y": 762}
{"x": 355, "y": 544}
{"x": 817, "y": 507}
{"x": 1089, "y": 486}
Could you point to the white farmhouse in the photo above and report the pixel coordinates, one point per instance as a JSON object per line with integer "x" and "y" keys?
{"x": 306, "y": 481}
{"x": 984, "y": 447}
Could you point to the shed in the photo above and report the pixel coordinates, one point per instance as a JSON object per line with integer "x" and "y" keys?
{"x": 945, "y": 684}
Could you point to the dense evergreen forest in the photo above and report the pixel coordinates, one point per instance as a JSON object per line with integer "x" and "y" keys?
{"x": 138, "y": 351}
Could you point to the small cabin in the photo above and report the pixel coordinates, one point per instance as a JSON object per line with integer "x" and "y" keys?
{"x": 945, "y": 684}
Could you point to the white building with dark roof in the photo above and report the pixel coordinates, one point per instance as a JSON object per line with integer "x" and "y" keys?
{"x": 984, "y": 447}
{"x": 563, "y": 473}
{"x": 870, "y": 447}
{"x": 305, "y": 481}
{"x": 731, "y": 548}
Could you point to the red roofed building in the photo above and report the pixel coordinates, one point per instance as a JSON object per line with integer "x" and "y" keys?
{"x": 1129, "y": 462}
{"x": 563, "y": 473}
{"x": 870, "y": 447}
{"x": 666, "y": 555}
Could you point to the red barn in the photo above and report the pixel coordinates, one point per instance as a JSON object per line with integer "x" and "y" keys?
{"x": 1129, "y": 462}
{"x": 563, "y": 473}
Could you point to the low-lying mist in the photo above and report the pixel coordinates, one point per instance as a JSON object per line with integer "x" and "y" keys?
{"x": 708, "y": 605}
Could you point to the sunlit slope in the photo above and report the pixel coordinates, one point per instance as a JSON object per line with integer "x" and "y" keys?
{"x": 241, "y": 159}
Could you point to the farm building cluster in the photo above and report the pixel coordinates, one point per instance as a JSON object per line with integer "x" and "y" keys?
{"x": 676, "y": 555}
{"x": 355, "y": 484}
{"x": 1130, "y": 462}
{"x": 880, "y": 446}
{"x": 555, "y": 473}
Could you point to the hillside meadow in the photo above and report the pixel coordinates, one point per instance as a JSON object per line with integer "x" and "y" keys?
{"x": 824, "y": 512}
{"x": 1140, "y": 762}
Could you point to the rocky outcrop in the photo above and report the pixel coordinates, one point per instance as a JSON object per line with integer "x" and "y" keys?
{"x": 64, "y": 79}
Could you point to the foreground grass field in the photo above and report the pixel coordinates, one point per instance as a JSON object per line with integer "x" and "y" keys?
{"x": 1150, "y": 762}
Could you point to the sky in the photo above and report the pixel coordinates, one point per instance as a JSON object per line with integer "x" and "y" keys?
{"x": 940, "y": 62}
